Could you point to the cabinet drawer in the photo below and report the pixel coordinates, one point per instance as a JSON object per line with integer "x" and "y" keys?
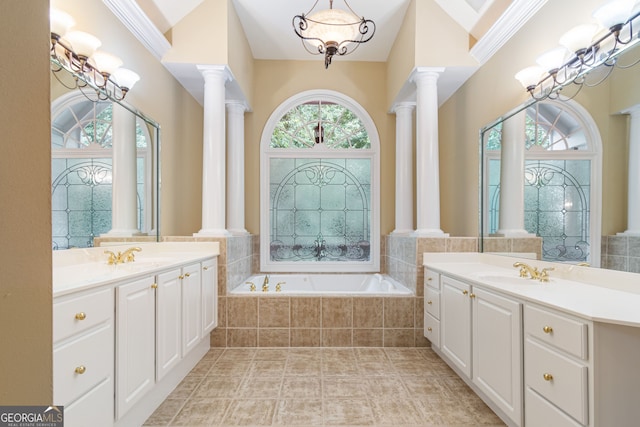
{"x": 81, "y": 313}
{"x": 431, "y": 278}
{"x": 94, "y": 408}
{"x": 567, "y": 334}
{"x": 557, "y": 378}
{"x": 94, "y": 352}
{"x": 541, "y": 413}
{"x": 432, "y": 301}
{"x": 432, "y": 330}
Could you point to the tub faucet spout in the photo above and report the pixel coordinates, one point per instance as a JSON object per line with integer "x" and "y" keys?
{"x": 265, "y": 284}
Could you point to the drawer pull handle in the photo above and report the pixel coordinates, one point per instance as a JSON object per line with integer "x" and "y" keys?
{"x": 465, "y": 292}
{"x": 154, "y": 286}
{"x": 429, "y": 329}
{"x": 472, "y": 295}
{"x": 547, "y": 329}
{"x": 80, "y": 370}
{"x": 429, "y": 302}
{"x": 81, "y": 316}
{"x": 547, "y": 377}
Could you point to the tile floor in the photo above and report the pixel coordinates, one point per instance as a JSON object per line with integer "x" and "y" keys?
{"x": 322, "y": 387}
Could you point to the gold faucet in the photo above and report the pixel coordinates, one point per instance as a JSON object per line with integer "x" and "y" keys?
{"x": 122, "y": 257}
{"x": 252, "y": 286}
{"x": 526, "y": 271}
{"x": 265, "y": 284}
{"x": 279, "y": 286}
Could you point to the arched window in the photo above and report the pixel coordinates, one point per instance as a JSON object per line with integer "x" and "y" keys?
{"x": 320, "y": 180}
{"x": 562, "y": 180}
{"x": 81, "y": 166}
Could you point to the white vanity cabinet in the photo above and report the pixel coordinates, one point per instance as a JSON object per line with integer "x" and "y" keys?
{"x": 83, "y": 352}
{"x": 191, "y": 306}
{"x": 135, "y": 342}
{"x": 209, "y": 295}
{"x": 168, "y": 321}
{"x": 481, "y": 338}
{"x": 432, "y": 307}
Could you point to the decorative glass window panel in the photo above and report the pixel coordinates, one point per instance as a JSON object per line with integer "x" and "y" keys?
{"x": 320, "y": 209}
{"x": 319, "y": 173}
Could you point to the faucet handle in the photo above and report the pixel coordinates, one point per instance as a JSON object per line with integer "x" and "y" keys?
{"x": 544, "y": 274}
{"x": 252, "y": 286}
{"x": 279, "y": 286}
{"x": 113, "y": 258}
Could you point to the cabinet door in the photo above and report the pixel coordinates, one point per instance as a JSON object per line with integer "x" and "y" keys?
{"x": 191, "y": 307}
{"x": 168, "y": 322}
{"x": 209, "y": 295}
{"x": 455, "y": 323}
{"x": 135, "y": 342}
{"x": 497, "y": 350}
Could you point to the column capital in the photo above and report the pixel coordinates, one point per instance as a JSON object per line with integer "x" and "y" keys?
{"x": 215, "y": 70}
{"x": 236, "y": 105}
{"x": 420, "y": 73}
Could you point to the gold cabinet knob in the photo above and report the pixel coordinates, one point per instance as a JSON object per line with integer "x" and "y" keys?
{"x": 472, "y": 295}
{"x": 465, "y": 292}
{"x": 181, "y": 276}
{"x": 429, "y": 279}
{"x": 154, "y": 286}
{"x": 429, "y": 329}
{"x": 81, "y": 316}
{"x": 187, "y": 274}
{"x": 80, "y": 370}
{"x": 547, "y": 329}
{"x": 547, "y": 377}
{"x": 205, "y": 268}
{"x": 429, "y": 302}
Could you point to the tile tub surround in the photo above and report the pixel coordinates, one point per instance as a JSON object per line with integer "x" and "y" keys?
{"x": 328, "y": 386}
{"x": 621, "y": 252}
{"x": 296, "y": 321}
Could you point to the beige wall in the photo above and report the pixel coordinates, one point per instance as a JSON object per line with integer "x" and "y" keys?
{"x": 401, "y": 59}
{"x": 25, "y": 213}
{"x": 492, "y": 91}
{"x": 280, "y": 80}
{"x": 201, "y": 36}
{"x": 240, "y": 55}
{"x": 159, "y": 96}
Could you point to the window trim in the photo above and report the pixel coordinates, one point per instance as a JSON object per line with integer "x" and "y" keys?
{"x": 266, "y": 153}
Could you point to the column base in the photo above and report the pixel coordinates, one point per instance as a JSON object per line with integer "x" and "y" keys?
{"x": 212, "y": 233}
{"x": 512, "y": 233}
{"x": 430, "y": 232}
{"x": 402, "y": 232}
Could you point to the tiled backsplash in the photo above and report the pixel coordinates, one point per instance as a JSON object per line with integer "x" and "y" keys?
{"x": 621, "y": 252}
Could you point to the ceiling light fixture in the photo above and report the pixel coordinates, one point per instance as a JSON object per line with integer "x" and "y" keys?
{"x": 332, "y": 31}
{"x": 583, "y": 49}
{"x": 76, "y": 52}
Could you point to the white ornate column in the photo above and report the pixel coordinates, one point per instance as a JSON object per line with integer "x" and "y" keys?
{"x": 404, "y": 168}
{"x": 124, "y": 174}
{"x": 633, "y": 192}
{"x": 235, "y": 162}
{"x": 213, "y": 152}
{"x": 427, "y": 157}
{"x": 511, "y": 218}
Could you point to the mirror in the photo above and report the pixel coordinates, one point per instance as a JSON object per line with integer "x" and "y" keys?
{"x": 575, "y": 169}
{"x": 85, "y": 158}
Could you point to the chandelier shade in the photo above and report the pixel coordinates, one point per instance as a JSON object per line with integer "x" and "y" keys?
{"x": 332, "y": 31}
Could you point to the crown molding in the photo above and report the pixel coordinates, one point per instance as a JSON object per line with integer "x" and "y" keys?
{"x": 139, "y": 24}
{"x": 516, "y": 15}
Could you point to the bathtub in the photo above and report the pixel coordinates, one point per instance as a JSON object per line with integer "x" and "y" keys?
{"x": 324, "y": 285}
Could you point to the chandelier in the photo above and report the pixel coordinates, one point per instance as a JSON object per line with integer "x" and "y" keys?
{"x": 76, "y": 52}
{"x": 582, "y": 50}
{"x": 332, "y": 31}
